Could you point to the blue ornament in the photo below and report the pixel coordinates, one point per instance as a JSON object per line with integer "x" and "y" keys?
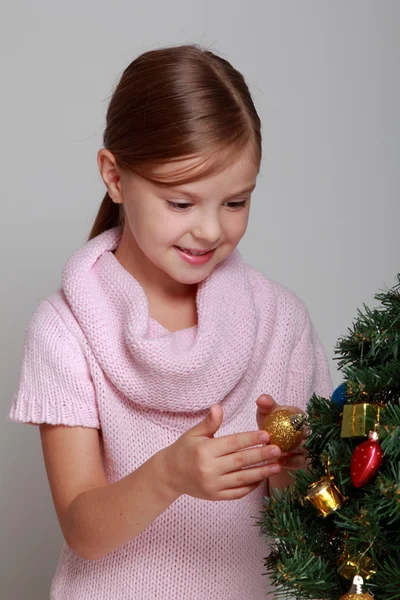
{"x": 339, "y": 396}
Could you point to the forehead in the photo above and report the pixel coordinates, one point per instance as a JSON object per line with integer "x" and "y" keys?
{"x": 199, "y": 172}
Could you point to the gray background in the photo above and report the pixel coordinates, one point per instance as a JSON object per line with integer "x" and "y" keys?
{"x": 325, "y": 79}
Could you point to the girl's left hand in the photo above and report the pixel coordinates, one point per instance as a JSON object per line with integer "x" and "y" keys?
{"x": 296, "y": 458}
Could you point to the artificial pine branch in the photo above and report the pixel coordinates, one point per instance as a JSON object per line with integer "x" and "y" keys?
{"x": 308, "y": 550}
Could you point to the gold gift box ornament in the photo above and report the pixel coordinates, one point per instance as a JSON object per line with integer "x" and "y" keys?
{"x": 359, "y": 419}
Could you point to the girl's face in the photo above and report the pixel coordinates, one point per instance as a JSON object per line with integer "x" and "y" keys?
{"x": 210, "y": 214}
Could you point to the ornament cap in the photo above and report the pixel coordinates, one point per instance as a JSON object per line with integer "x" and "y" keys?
{"x": 297, "y": 420}
{"x": 356, "y": 592}
{"x": 373, "y": 435}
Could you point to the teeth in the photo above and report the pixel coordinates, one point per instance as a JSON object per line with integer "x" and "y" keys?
{"x": 192, "y": 253}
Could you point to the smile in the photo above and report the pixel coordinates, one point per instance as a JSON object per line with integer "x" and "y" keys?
{"x": 194, "y": 252}
{"x": 195, "y": 257}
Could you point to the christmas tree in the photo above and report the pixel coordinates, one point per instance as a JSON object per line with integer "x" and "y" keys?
{"x": 341, "y": 517}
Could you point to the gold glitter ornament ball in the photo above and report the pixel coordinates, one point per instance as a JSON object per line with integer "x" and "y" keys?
{"x": 355, "y": 596}
{"x": 281, "y": 430}
{"x": 356, "y": 592}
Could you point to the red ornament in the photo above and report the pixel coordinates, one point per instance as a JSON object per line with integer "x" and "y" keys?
{"x": 366, "y": 460}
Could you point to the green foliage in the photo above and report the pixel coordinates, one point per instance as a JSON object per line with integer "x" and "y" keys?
{"x": 307, "y": 549}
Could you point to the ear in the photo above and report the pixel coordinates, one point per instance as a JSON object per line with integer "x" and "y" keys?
{"x": 110, "y": 174}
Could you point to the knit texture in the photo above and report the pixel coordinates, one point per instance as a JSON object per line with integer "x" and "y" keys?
{"x": 93, "y": 357}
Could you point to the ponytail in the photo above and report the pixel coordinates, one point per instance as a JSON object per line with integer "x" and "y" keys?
{"x": 110, "y": 215}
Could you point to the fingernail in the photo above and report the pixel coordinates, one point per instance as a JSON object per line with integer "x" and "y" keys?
{"x": 275, "y": 452}
{"x": 275, "y": 469}
{"x": 264, "y": 437}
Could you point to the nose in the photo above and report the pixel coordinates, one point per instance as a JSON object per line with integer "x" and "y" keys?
{"x": 208, "y": 227}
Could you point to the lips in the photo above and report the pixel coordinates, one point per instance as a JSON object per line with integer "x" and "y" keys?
{"x": 194, "y": 251}
{"x": 194, "y": 259}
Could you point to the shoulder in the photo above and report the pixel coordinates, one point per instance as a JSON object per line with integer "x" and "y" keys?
{"x": 271, "y": 295}
{"x": 56, "y": 309}
{"x": 54, "y": 325}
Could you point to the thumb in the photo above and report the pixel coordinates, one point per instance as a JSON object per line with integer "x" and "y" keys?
{"x": 211, "y": 423}
{"x": 266, "y": 404}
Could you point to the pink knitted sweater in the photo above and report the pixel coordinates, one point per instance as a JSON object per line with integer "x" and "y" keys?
{"x": 94, "y": 358}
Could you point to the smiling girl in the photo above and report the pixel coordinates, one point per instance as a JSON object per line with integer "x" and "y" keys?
{"x": 150, "y": 370}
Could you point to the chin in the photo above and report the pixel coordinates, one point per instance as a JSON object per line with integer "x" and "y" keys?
{"x": 192, "y": 279}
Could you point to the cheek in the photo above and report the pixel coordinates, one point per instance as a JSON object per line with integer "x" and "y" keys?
{"x": 236, "y": 228}
{"x": 164, "y": 229}
{"x": 133, "y": 219}
{"x": 150, "y": 227}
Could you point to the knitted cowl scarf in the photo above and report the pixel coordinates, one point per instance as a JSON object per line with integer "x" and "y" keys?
{"x": 223, "y": 356}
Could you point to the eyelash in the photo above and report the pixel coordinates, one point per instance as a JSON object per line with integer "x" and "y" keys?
{"x": 183, "y": 206}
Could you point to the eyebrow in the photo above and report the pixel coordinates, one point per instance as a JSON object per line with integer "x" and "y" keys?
{"x": 197, "y": 196}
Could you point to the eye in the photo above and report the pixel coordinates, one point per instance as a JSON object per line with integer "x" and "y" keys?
{"x": 178, "y": 205}
{"x": 237, "y": 205}
{"x": 185, "y": 205}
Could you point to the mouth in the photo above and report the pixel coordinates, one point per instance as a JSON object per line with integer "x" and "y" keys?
{"x": 195, "y": 257}
{"x": 192, "y": 252}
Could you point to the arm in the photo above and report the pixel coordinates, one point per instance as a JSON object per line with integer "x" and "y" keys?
{"x": 56, "y": 391}
{"x": 96, "y": 517}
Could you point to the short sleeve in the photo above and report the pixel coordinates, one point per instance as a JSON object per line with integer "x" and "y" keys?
{"x": 55, "y": 384}
{"x": 308, "y": 368}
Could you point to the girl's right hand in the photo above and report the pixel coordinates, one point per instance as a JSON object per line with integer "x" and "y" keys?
{"x": 202, "y": 466}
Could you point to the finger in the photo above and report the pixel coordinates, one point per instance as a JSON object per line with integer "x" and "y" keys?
{"x": 293, "y": 463}
{"x": 300, "y": 449}
{"x": 298, "y": 460}
{"x": 266, "y": 400}
{"x": 247, "y": 458}
{"x": 239, "y": 492}
{"x": 266, "y": 404}
{"x": 247, "y": 477}
{"x": 238, "y": 441}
